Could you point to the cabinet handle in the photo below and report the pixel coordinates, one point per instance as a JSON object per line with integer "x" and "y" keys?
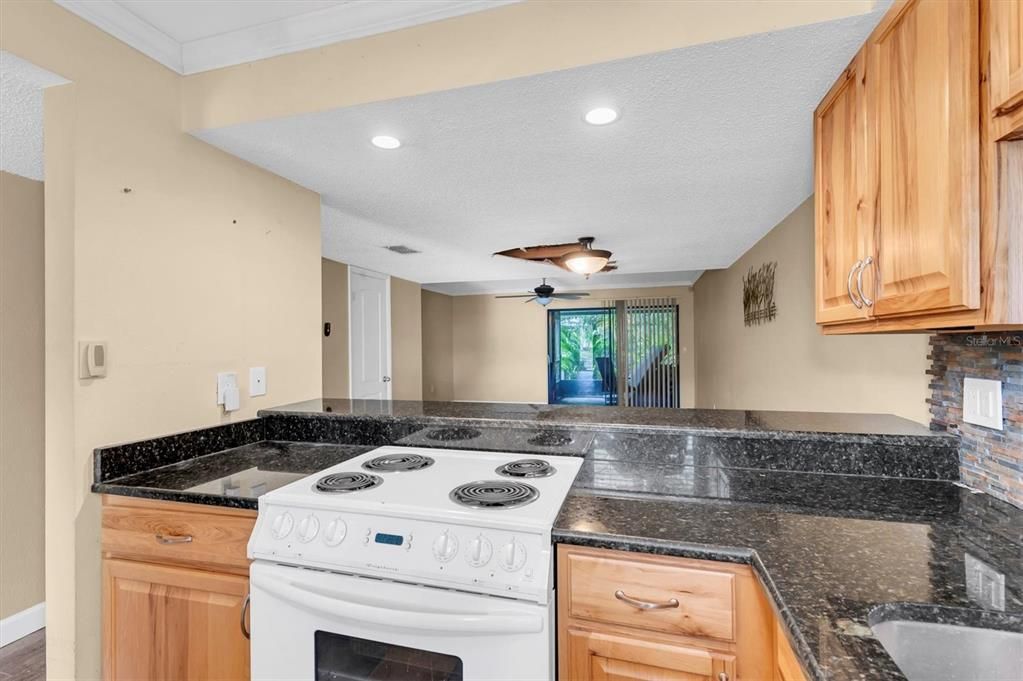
{"x": 245, "y": 609}
{"x": 174, "y": 539}
{"x": 723, "y": 676}
{"x": 848, "y": 284}
{"x": 645, "y": 605}
{"x": 859, "y": 281}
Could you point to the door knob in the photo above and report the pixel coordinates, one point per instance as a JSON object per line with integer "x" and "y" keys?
{"x": 387, "y": 379}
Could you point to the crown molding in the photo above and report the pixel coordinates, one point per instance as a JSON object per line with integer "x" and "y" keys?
{"x": 346, "y": 21}
{"x": 113, "y": 18}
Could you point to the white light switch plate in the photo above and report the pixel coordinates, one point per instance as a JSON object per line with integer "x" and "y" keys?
{"x": 982, "y": 402}
{"x": 257, "y": 381}
{"x": 226, "y": 382}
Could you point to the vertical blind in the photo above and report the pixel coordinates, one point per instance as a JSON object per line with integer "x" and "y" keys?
{"x": 646, "y": 352}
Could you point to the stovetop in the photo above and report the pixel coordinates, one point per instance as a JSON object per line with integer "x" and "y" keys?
{"x": 478, "y": 521}
{"x": 464, "y": 486}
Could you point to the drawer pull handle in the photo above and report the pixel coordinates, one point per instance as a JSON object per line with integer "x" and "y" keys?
{"x": 645, "y": 605}
{"x": 174, "y": 539}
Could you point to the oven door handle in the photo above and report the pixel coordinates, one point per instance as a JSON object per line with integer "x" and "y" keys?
{"x": 393, "y": 616}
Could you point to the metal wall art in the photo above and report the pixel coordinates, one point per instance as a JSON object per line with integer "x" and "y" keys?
{"x": 758, "y": 294}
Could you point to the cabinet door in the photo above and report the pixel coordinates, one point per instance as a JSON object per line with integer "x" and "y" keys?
{"x": 170, "y": 623}
{"x": 843, "y": 235}
{"x": 598, "y": 656}
{"x": 923, "y": 101}
{"x": 1005, "y": 26}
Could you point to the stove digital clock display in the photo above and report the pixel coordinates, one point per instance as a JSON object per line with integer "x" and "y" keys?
{"x": 392, "y": 539}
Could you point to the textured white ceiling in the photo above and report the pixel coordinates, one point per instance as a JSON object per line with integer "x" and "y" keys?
{"x": 21, "y": 115}
{"x": 713, "y": 148}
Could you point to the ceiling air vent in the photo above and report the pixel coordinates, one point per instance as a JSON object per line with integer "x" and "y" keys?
{"x": 402, "y": 250}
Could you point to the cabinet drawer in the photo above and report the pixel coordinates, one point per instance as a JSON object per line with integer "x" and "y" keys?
{"x": 178, "y": 533}
{"x": 695, "y": 602}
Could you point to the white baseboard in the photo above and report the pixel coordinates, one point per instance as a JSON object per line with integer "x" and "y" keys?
{"x": 22, "y": 623}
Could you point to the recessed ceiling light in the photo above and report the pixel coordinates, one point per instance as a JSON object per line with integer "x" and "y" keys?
{"x": 385, "y": 142}
{"x": 602, "y": 115}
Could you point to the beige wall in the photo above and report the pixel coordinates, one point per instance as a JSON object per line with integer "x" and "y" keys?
{"x": 508, "y": 42}
{"x": 787, "y": 364}
{"x": 335, "y": 310}
{"x": 406, "y": 340}
{"x": 208, "y": 264}
{"x": 438, "y": 357}
{"x": 21, "y": 394}
{"x": 500, "y": 345}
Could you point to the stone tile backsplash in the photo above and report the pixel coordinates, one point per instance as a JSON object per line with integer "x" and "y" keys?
{"x": 990, "y": 460}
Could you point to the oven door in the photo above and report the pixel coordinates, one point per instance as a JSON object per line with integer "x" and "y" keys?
{"x": 308, "y": 624}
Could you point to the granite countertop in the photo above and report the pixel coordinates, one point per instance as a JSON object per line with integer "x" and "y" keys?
{"x": 843, "y": 529}
{"x": 778, "y": 424}
{"x": 233, "y": 477}
{"x": 835, "y": 552}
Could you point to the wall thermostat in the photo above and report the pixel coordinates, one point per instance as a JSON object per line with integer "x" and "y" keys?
{"x": 92, "y": 359}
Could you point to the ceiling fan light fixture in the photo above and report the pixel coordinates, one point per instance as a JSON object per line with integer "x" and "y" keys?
{"x": 544, "y": 300}
{"x": 589, "y": 261}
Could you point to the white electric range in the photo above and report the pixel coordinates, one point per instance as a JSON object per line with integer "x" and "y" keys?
{"x": 409, "y": 563}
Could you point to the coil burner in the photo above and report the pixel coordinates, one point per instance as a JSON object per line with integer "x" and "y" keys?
{"x": 526, "y": 468}
{"x": 398, "y": 462}
{"x": 342, "y": 483}
{"x": 494, "y": 494}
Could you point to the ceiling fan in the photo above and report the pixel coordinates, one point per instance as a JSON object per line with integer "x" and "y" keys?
{"x": 544, "y": 294}
{"x": 579, "y": 256}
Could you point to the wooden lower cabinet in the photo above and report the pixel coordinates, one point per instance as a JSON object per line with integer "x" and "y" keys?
{"x": 637, "y": 617}
{"x": 168, "y": 622}
{"x": 786, "y": 665}
{"x": 175, "y": 584}
{"x": 599, "y": 656}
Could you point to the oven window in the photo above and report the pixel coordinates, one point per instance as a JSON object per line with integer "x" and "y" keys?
{"x": 347, "y": 658}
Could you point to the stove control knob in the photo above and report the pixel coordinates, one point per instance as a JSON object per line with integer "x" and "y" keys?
{"x": 445, "y": 547}
{"x": 512, "y": 556}
{"x": 479, "y": 552}
{"x": 307, "y": 528}
{"x": 335, "y": 532}
{"x": 282, "y": 525}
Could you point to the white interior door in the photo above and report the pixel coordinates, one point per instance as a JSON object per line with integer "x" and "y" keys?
{"x": 369, "y": 329}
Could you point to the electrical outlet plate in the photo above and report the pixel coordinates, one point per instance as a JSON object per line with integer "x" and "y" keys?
{"x": 984, "y": 584}
{"x": 257, "y": 381}
{"x": 982, "y": 402}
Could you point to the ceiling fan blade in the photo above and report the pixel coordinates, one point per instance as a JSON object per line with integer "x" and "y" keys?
{"x": 542, "y": 252}
{"x": 524, "y": 295}
{"x": 530, "y": 300}
{"x": 569, "y": 296}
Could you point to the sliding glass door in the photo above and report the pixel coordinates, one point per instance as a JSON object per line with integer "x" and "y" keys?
{"x": 624, "y": 353}
{"x": 581, "y": 358}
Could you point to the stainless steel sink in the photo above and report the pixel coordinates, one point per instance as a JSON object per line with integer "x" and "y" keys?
{"x": 926, "y": 651}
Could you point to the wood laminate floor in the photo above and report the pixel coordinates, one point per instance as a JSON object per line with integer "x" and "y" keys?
{"x": 25, "y": 659}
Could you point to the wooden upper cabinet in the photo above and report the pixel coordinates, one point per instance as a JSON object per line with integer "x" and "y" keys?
{"x": 844, "y": 236}
{"x": 924, "y": 106}
{"x": 1005, "y": 26}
